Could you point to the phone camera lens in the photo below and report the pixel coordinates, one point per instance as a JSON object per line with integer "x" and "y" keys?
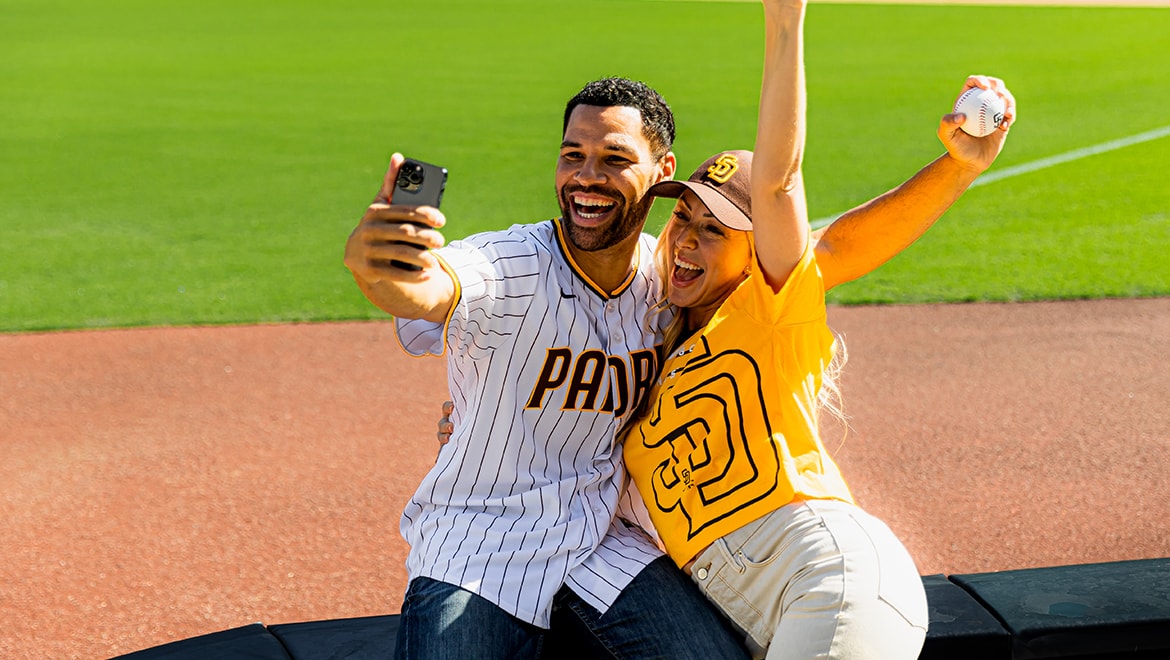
{"x": 410, "y": 177}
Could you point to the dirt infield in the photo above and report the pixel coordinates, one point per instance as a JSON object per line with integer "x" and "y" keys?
{"x": 163, "y": 483}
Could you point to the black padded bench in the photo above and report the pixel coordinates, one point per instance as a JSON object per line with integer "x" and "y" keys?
{"x": 1087, "y": 611}
{"x": 1116, "y": 610}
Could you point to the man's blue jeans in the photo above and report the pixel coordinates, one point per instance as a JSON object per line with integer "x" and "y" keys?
{"x": 661, "y": 614}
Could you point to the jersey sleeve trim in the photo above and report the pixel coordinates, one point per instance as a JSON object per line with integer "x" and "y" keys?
{"x": 456, "y": 297}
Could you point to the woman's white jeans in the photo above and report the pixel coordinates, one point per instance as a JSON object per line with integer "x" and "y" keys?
{"x": 817, "y": 579}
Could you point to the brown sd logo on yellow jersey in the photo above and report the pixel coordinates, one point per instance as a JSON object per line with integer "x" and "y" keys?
{"x": 705, "y": 423}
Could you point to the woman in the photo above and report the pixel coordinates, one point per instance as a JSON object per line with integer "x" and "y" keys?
{"x": 727, "y": 455}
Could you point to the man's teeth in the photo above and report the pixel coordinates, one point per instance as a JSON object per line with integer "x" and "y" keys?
{"x": 593, "y": 208}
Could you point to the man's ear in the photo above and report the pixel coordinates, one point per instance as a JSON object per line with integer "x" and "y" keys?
{"x": 666, "y": 167}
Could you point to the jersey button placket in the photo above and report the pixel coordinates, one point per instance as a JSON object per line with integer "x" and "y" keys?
{"x": 615, "y": 336}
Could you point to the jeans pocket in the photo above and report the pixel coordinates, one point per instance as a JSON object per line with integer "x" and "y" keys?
{"x": 751, "y": 571}
{"x": 762, "y": 541}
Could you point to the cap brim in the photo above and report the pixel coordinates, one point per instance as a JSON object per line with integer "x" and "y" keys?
{"x": 724, "y": 211}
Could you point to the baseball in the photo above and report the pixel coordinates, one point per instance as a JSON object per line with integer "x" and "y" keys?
{"x": 984, "y": 109}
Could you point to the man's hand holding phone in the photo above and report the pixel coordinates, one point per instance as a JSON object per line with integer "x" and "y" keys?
{"x": 392, "y": 242}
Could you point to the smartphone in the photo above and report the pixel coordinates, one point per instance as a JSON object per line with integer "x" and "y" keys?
{"x": 418, "y": 184}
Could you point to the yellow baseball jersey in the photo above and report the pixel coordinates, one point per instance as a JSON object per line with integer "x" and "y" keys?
{"x": 732, "y": 432}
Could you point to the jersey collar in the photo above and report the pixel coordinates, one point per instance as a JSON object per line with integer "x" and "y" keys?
{"x": 563, "y": 244}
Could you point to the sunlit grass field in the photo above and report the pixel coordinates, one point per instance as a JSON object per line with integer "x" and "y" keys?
{"x": 203, "y": 162}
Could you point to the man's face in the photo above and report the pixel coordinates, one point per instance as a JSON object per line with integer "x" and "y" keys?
{"x": 603, "y": 172}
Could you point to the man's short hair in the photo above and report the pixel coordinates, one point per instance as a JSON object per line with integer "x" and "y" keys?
{"x": 657, "y": 119}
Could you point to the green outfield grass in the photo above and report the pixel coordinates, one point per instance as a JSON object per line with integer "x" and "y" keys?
{"x": 203, "y": 162}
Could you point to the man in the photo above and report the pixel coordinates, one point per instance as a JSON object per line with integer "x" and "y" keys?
{"x": 544, "y": 328}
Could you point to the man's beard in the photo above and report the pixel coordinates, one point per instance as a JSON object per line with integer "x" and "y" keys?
{"x": 628, "y": 219}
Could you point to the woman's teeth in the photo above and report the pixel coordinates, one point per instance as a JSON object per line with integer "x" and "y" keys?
{"x": 685, "y": 272}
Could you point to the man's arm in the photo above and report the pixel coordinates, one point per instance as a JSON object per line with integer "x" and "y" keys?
{"x": 871, "y": 234}
{"x": 407, "y": 234}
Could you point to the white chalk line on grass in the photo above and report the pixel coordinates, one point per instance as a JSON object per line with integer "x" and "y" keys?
{"x": 1025, "y": 168}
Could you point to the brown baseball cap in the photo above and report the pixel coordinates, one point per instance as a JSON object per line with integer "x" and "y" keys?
{"x": 723, "y": 183}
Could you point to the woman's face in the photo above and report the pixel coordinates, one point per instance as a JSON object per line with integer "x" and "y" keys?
{"x": 710, "y": 259}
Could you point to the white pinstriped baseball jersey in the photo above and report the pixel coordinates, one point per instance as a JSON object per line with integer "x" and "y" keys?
{"x": 543, "y": 368}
